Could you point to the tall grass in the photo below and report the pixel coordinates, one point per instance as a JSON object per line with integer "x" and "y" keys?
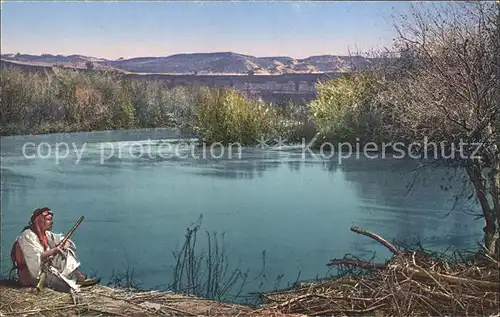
{"x": 206, "y": 275}
{"x": 345, "y": 109}
{"x": 207, "y": 271}
{"x": 71, "y": 100}
{"x": 228, "y": 116}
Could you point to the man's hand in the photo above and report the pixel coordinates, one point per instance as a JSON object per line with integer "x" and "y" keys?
{"x": 64, "y": 246}
{"x": 51, "y": 252}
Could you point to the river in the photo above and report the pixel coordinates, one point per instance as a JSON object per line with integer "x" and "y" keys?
{"x": 294, "y": 210}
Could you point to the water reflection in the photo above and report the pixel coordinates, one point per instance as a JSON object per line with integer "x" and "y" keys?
{"x": 423, "y": 212}
{"x": 14, "y": 179}
{"x": 253, "y": 163}
{"x": 14, "y": 184}
{"x": 240, "y": 171}
{"x": 250, "y": 165}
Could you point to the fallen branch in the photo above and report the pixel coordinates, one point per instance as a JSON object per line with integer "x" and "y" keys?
{"x": 34, "y": 311}
{"x": 378, "y": 238}
{"x": 437, "y": 282}
{"x": 361, "y": 264}
{"x": 455, "y": 279}
{"x": 296, "y": 299}
{"x": 487, "y": 254}
{"x": 416, "y": 272}
{"x": 347, "y": 311}
{"x": 185, "y": 313}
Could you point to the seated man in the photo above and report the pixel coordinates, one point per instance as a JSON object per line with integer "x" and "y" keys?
{"x": 36, "y": 245}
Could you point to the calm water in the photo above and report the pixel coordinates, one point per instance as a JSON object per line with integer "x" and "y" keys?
{"x": 297, "y": 210}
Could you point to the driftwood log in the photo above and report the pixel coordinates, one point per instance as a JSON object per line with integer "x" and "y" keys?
{"x": 378, "y": 238}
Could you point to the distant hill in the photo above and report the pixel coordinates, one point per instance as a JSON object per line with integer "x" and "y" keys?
{"x": 220, "y": 63}
{"x": 48, "y": 60}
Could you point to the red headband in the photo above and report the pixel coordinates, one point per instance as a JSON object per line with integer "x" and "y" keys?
{"x": 40, "y": 211}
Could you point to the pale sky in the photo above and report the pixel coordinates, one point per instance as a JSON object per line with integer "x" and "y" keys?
{"x": 130, "y": 29}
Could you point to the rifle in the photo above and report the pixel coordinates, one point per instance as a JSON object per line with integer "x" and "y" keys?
{"x": 42, "y": 273}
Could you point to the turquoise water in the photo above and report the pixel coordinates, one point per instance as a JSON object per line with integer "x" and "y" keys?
{"x": 296, "y": 209}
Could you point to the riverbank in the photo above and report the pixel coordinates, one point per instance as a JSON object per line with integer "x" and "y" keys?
{"x": 107, "y": 301}
{"x": 414, "y": 282}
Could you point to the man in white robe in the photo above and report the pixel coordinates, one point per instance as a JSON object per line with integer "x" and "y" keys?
{"x": 38, "y": 248}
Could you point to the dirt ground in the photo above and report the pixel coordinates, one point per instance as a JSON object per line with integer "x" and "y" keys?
{"x": 106, "y": 301}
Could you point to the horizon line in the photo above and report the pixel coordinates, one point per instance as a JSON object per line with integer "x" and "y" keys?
{"x": 186, "y": 53}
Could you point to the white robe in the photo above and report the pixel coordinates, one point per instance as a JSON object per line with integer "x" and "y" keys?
{"x": 61, "y": 267}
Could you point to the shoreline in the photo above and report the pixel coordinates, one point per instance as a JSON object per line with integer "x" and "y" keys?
{"x": 109, "y": 301}
{"x": 413, "y": 282}
{"x": 310, "y": 147}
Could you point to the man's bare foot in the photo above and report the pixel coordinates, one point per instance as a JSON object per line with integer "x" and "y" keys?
{"x": 88, "y": 281}
{"x": 79, "y": 276}
{"x": 84, "y": 281}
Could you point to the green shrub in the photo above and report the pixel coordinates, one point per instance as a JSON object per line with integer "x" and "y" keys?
{"x": 345, "y": 109}
{"x": 228, "y": 116}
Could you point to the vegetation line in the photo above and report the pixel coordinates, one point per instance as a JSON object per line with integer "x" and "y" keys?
{"x": 71, "y": 100}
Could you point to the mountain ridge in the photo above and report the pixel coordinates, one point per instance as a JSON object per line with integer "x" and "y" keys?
{"x": 202, "y": 63}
